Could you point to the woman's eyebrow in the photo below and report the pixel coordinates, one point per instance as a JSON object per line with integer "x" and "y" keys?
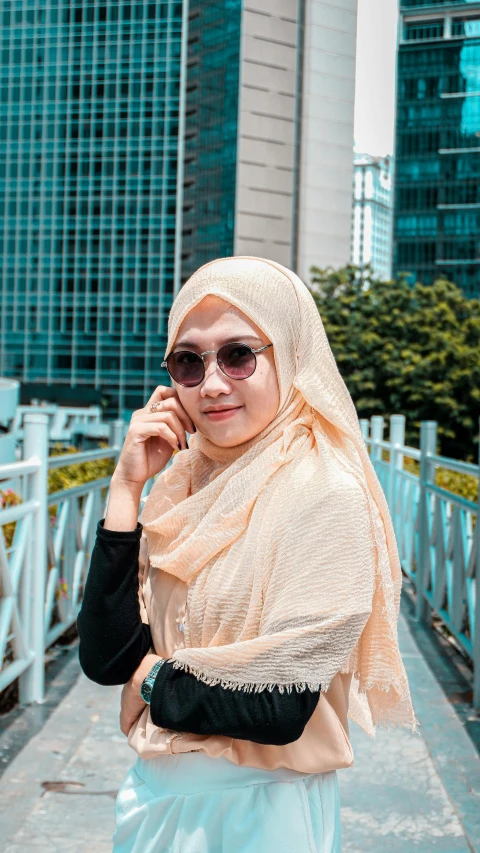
{"x": 231, "y": 340}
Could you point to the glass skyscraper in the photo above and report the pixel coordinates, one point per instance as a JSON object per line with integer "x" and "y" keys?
{"x": 139, "y": 140}
{"x": 437, "y": 189}
{"x": 211, "y": 108}
{"x": 89, "y": 123}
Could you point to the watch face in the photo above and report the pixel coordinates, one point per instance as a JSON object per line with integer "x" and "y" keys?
{"x": 149, "y": 681}
{"x": 146, "y": 691}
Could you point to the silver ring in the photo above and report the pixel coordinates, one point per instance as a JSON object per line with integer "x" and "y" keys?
{"x": 154, "y": 406}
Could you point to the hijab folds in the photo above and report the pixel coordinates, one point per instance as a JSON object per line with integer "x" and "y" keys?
{"x": 285, "y": 542}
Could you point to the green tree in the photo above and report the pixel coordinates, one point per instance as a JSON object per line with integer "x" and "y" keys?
{"x": 403, "y": 349}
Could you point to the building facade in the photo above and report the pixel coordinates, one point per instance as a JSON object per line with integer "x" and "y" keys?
{"x": 437, "y": 187}
{"x": 372, "y": 214}
{"x": 89, "y": 124}
{"x": 139, "y": 140}
{"x": 277, "y": 156}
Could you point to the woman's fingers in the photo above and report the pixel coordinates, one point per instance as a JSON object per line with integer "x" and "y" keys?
{"x": 173, "y": 422}
{"x": 174, "y": 405}
{"x": 170, "y": 404}
{"x": 162, "y": 392}
{"x": 159, "y": 429}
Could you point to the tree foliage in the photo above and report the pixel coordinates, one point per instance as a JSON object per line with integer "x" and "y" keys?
{"x": 403, "y": 349}
{"x": 77, "y": 474}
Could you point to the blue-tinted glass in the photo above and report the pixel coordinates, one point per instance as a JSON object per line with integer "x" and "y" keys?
{"x": 417, "y": 4}
{"x": 423, "y": 30}
{"x": 437, "y": 197}
{"x": 89, "y": 106}
{"x": 211, "y": 137}
{"x": 469, "y": 28}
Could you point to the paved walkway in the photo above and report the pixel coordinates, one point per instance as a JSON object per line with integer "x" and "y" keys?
{"x": 405, "y": 793}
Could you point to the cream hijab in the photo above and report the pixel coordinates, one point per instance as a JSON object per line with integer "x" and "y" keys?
{"x": 285, "y": 542}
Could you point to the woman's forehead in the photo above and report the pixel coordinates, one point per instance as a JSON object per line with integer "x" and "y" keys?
{"x": 213, "y": 311}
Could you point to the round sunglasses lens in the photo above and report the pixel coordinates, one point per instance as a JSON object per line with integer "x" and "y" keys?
{"x": 186, "y": 368}
{"x": 237, "y": 360}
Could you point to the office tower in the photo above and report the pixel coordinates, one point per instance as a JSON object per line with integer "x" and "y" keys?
{"x": 139, "y": 140}
{"x": 89, "y": 127}
{"x": 372, "y": 214}
{"x": 277, "y": 156}
{"x": 437, "y": 186}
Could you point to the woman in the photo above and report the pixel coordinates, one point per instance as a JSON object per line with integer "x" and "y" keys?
{"x": 268, "y": 600}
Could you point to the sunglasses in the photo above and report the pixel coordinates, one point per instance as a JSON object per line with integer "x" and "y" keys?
{"x": 236, "y": 360}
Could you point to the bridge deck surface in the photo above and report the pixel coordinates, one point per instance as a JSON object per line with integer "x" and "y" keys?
{"x": 404, "y": 793}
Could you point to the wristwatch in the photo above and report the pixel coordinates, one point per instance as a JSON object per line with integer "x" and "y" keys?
{"x": 149, "y": 681}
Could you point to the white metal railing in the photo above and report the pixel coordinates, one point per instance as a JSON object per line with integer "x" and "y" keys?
{"x": 437, "y": 531}
{"x": 63, "y": 421}
{"x": 43, "y": 570}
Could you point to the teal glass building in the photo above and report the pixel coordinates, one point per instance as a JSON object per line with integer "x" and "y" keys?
{"x": 211, "y": 109}
{"x": 140, "y": 139}
{"x": 89, "y": 187}
{"x": 437, "y": 187}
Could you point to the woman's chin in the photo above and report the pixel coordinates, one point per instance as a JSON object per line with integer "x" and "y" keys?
{"x": 223, "y": 437}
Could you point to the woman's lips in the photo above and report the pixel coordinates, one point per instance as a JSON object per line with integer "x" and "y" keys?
{"x": 223, "y": 414}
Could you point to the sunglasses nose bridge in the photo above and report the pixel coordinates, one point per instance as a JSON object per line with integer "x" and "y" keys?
{"x": 207, "y": 352}
{"x": 208, "y": 363}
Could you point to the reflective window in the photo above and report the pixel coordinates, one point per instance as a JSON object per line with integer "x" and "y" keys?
{"x": 416, "y": 4}
{"x": 89, "y": 111}
{"x": 211, "y": 136}
{"x": 437, "y": 194}
{"x": 468, "y": 27}
{"x": 423, "y": 30}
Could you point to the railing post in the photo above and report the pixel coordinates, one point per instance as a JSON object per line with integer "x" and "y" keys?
{"x": 428, "y": 445}
{"x": 476, "y": 636}
{"x": 117, "y": 434}
{"x": 376, "y": 435}
{"x": 397, "y": 436}
{"x": 35, "y": 443}
{"x": 364, "y": 428}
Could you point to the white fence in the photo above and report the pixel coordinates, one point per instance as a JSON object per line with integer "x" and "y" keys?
{"x": 436, "y": 530}
{"x": 64, "y": 421}
{"x": 43, "y": 571}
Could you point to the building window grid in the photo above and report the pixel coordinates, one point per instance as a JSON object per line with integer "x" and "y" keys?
{"x": 417, "y": 4}
{"x": 453, "y": 69}
{"x": 71, "y": 303}
{"x": 423, "y": 30}
{"x": 211, "y": 138}
{"x": 378, "y": 202}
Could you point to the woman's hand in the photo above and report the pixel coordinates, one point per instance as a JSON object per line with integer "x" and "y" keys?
{"x": 152, "y": 437}
{"x": 132, "y": 703}
{"x": 150, "y": 441}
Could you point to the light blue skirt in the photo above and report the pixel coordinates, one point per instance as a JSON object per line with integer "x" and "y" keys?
{"x": 192, "y": 803}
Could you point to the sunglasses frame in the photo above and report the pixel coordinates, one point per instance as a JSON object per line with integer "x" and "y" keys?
{"x": 215, "y": 352}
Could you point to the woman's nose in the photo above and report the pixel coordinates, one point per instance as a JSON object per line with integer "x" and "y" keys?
{"x": 215, "y": 382}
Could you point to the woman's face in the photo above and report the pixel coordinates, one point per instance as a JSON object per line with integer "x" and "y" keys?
{"x": 227, "y": 411}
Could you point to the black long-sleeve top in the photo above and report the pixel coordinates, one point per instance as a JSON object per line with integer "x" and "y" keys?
{"x": 114, "y": 641}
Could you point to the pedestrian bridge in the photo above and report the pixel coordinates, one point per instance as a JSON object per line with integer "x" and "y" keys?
{"x": 406, "y": 792}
